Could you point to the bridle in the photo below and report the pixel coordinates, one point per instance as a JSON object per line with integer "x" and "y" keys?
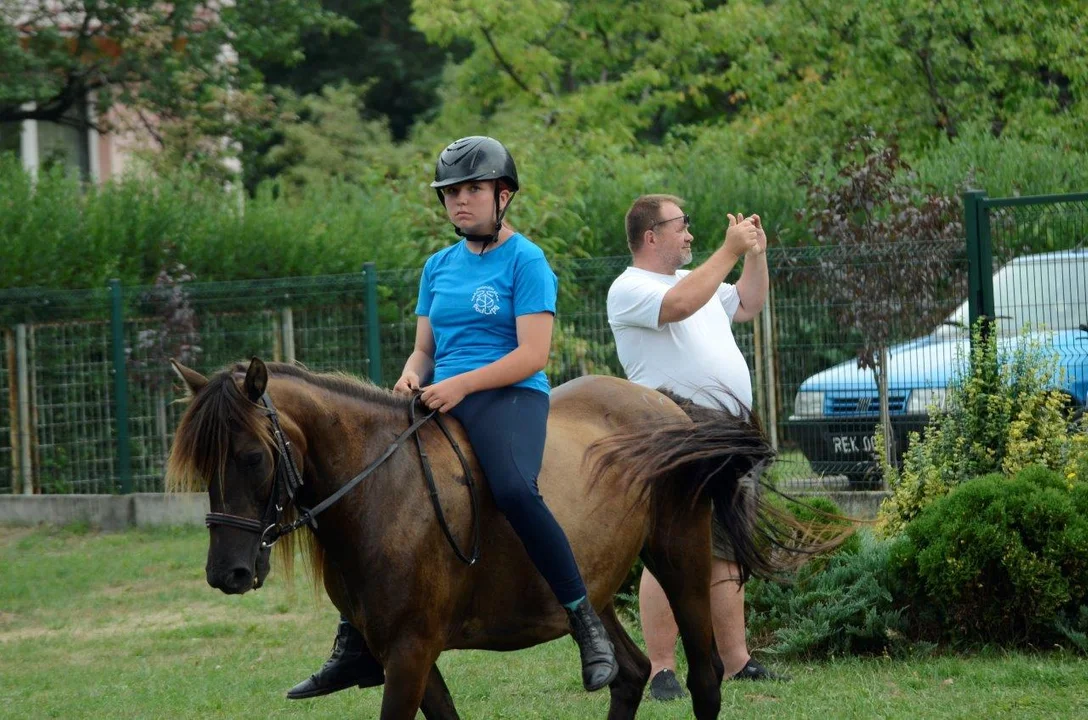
{"x": 288, "y": 480}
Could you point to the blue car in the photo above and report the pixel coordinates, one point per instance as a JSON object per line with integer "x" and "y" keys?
{"x": 835, "y": 412}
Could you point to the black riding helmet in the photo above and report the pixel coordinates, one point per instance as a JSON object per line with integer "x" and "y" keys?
{"x": 476, "y": 158}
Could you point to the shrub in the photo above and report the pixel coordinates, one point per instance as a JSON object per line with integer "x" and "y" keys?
{"x": 823, "y": 517}
{"x": 1002, "y": 559}
{"x": 1001, "y": 415}
{"x": 850, "y": 604}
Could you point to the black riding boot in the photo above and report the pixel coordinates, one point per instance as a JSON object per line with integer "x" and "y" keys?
{"x": 599, "y": 666}
{"x": 351, "y": 664}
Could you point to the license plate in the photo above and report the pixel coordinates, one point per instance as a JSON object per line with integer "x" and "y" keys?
{"x": 852, "y": 444}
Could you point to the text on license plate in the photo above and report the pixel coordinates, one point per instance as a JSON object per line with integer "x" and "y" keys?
{"x": 850, "y": 444}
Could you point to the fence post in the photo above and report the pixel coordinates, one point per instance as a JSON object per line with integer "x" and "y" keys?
{"x": 760, "y": 387}
{"x": 373, "y": 326}
{"x": 986, "y": 263}
{"x": 767, "y": 330}
{"x": 13, "y": 408}
{"x": 288, "y": 324}
{"x": 22, "y": 381}
{"x": 120, "y": 386}
{"x": 980, "y": 264}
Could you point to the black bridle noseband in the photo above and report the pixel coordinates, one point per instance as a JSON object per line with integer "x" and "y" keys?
{"x": 288, "y": 480}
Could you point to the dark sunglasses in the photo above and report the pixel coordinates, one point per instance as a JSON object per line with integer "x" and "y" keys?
{"x": 685, "y": 217}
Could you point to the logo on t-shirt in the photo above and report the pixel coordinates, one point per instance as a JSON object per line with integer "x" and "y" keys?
{"x": 485, "y": 300}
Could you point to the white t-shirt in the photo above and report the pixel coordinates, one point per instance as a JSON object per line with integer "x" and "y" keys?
{"x": 694, "y": 357}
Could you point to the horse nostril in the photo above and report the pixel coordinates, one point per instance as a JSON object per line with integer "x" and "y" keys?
{"x": 240, "y": 578}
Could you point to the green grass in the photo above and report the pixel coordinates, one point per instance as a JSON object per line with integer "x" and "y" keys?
{"x": 123, "y": 626}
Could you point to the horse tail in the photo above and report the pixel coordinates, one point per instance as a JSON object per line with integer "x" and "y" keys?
{"x": 719, "y": 453}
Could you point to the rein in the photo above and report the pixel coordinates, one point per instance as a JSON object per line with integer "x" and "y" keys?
{"x": 288, "y": 480}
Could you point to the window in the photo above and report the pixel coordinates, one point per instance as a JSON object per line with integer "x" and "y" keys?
{"x": 66, "y": 142}
{"x": 11, "y": 137}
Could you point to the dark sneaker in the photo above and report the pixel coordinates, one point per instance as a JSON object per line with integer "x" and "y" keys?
{"x": 754, "y": 671}
{"x": 665, "y": 686}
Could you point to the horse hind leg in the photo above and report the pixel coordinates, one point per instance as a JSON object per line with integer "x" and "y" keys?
{"x": 437, "y": 702}
{"x": 634, "y": 671}
{"x": 681, "y": 563}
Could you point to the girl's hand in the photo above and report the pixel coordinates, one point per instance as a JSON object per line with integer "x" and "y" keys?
{"x": 408, "y": 383}
{"x": 444, "y": 396}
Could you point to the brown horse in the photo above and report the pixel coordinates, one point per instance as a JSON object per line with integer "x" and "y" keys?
{"x": 626, "y": 472}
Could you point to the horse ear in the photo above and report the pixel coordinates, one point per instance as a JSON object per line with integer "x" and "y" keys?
{"x": 194, "y": 381}
{"x": 256, "y": 380}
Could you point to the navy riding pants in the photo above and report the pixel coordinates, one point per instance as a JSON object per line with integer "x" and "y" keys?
{"x": 507, "y": 427}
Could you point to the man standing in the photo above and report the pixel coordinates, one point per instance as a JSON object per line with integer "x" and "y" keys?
{"x": 673, "y": 331}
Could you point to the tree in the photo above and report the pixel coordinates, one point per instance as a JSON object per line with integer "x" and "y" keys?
{"x": 869, "y": 216}
{"x": 400, "y": 69}
{"x": 184, "y": 72}
{"x": 324, "y": 137}
{"x": 395, "y": 71}
{"x": 634, "y": 67}
{"x": 781, "y": 78}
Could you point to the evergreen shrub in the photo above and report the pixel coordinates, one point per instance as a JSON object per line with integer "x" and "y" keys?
{"x": 1002, "y": 559}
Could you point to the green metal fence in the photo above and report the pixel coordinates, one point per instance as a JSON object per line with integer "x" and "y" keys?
{"x": 1001, "y": 229}
{"x": 97, "y": 409}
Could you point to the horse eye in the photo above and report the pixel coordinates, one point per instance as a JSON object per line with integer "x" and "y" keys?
{"x": 252, "y": 459}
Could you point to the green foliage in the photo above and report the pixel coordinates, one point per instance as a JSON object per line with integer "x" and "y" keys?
{"x": 866, "y": 212}
{"x": 1001, "y": 559}
{"x": 784, "y": 79}
{"x": 574, "y": 356}
{"x": 823, "y": 518}
{"x": 852, "y": 604}
{"x": 1075, "y": 630}
{"x": 184, "y": 71}
{"x": 339, "y": 204}
{"x": 324, "y": 137}
{"x": 58, "y": 234}
{"x": 1001, "y": 414}
{"x": 1004, "y": 166}
{"x": 381, "y": 50}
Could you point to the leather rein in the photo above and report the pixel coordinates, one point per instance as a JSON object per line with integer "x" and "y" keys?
{"x": 288, "y": 480}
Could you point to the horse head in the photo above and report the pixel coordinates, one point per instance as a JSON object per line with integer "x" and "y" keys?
{"x": 225, "y": 442}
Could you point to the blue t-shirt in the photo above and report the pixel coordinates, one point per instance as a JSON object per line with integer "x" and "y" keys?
{"x": 473, "y": 302}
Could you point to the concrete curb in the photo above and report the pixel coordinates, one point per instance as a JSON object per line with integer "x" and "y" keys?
{"x": 105, "y": 512}
{"x": 860, "y": 504}
{"x": 117, "y": 512}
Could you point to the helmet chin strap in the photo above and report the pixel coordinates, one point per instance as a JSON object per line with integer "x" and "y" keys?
{"x": 500, "y": 213}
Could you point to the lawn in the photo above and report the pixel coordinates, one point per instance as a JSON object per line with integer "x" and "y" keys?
{"x": 123, "y": 626}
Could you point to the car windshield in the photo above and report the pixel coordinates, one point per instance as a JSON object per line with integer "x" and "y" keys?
{"x": 1050, "y": 294}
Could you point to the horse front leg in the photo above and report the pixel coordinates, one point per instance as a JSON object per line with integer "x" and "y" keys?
{"x": 408, "y": 667}
{"x": 630, "y": 683}
{"x": 437, "y": 702}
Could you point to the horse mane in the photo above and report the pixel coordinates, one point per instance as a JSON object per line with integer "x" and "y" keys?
{"x": 202, "y": 441}
{"x": 337, "y": 382}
